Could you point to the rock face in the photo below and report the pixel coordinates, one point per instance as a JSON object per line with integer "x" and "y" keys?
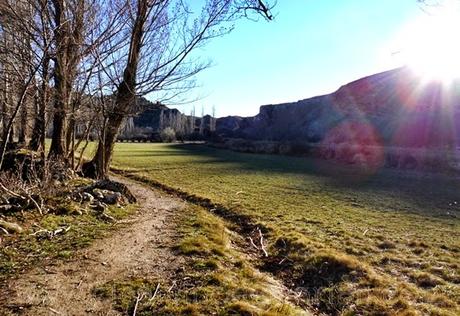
{"x": 394, "y": 108}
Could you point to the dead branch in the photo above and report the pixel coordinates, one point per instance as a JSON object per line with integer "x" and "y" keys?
{"x": 55, "y": 311}
{"x": 253, "y": 244}
{"x": 27, "y": 196}
{"x": 139, "y": 298}
{"x": 51, "y": 233}
{"x": 262, "y": 242}
{"x": 35, "y": 203}
{"x": 9, "y": 191}
{"x": 155, "y": 293}
{"x": 172, "y": 286}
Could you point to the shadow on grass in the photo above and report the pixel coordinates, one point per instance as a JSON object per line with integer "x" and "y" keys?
{"x": 422, "y": 193}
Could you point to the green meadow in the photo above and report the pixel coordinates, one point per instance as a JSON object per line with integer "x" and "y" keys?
{"x": 348, "y": 242}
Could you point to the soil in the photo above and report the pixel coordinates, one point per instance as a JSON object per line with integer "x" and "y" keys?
{"x": 141, "y": 247}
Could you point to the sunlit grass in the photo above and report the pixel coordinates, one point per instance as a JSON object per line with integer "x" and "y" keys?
{"x": 403, "y": 231}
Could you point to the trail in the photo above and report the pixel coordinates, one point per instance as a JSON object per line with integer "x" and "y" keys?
{"x": 141, "y": 248}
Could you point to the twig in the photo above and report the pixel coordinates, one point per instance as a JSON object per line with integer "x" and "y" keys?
{"x": 4, "y": 231}
{"x": 55, "y": 311}
{"x": 262, "y": 242}
{"x": 52, "y": 233}
{"x": 155, "y": 293}
{"x": 10, "y": 192}
{"x": 139, "y": 298}
{"x": 61, "y": 230}
{"x": 35, "y": 203}
{"x": 172, "y": 286}
{"x": 22, "y": 197}
{"x": 39, "y": 231}
{"x": 253, "y": 244}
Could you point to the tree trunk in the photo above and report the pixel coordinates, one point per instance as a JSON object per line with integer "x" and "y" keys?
{"x": 61, "y": 33}
{"x": 99, "y": 166}
{"x": 57, "y": 149}
{"x": 39, "y": 132}
{"x": 23, "y": 124}
{"x": 37, "y": 141}
{"x": 70, "y": 135}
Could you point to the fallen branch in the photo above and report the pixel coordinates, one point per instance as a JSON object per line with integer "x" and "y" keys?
{"x": 155, "y": 293}
{"x": 139, "y": 298}
{"x": 253, "y": 244}
{"x": 61, "y": 230}
{"x": 55, "y": 311}
{"x": 262, "y": 242}
{"x": 172, "y": 286}
{"x": 35, "y": 203}
{"x": 28, "y": 196}
{"x": 51, "y": 233}
{"x": 39, "y": 232}
{"x": 10, "y": 192}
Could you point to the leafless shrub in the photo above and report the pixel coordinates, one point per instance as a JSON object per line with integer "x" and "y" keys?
{"x": 31, "y": 192}
{"x": 168, "y": 135}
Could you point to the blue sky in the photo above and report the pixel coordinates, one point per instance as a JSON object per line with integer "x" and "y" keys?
{"x": 311, "y": 48}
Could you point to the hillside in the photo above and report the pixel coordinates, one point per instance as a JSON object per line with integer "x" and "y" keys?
{"x": 395, "y": 108}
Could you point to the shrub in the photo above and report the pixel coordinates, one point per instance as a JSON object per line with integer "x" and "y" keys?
{"x": 168, "y": 135}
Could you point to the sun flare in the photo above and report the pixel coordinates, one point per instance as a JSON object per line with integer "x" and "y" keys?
{"x": 430, "y": 45}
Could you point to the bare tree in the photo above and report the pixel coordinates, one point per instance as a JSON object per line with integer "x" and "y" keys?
{"x": 163, "y": 33}
{"x": 192, "y": 120}
{"x": 202, "y": 121}
{"x": 20, "y": 61}
{"x": 212, "y": 124}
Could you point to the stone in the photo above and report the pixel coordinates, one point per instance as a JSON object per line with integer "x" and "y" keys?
{"x": 6, "y": 208}
{"x": 115, "y": 187}
{"x": 98, "y": 194}
{"x": 111, "y": 197}
{"x": 99, "y": 207}
{"x": 87, "y": 197}
{"x": 107, "y": 218}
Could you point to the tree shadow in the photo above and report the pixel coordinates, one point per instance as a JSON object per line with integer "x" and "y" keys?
{"x": 426, "y": 194}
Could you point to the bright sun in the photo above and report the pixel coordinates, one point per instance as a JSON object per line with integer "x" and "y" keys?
{"x": 431, "y": 46}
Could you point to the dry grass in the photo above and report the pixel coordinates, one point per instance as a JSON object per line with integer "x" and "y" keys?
{"x": 19, "y": 252}
{"x": 217, "y": 279}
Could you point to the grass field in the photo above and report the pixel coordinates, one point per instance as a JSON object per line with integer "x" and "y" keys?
{"x": 352, "y": 243}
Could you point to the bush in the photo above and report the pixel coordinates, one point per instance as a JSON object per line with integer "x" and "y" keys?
{"x": 168, "y": 135}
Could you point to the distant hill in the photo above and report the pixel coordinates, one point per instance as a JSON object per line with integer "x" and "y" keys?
{"x": 393, "y": 108}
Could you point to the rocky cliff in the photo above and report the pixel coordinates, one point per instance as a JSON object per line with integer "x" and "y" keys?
{"x": 394, "y": 108}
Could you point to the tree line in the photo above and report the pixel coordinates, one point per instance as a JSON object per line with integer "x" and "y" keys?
{"x": 70, "y": 62}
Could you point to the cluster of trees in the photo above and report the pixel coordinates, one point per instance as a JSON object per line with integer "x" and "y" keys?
{"x": 184, "y": 125}
{"x": 177, "y": 122}
{"x": 68, "y": 61}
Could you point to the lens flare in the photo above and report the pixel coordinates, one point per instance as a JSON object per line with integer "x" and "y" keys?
{"x": 430, "y": 44}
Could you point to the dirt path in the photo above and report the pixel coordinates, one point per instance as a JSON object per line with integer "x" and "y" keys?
{"x": 142, "y": 248}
